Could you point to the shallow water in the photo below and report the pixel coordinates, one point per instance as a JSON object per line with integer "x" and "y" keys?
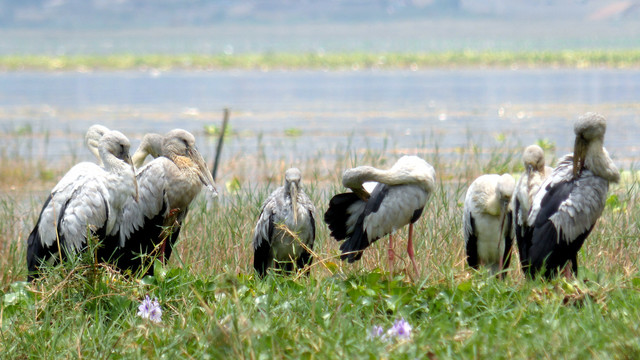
{"x": 44, "y": 115}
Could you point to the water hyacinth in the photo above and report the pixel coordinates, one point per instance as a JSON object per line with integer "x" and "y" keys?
{"x": 401, "y": 330}
{"x": 150, "y": 310}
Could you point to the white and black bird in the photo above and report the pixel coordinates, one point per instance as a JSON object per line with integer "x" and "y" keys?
{"x": 569, "y": 202}
{"x": 167, "y": 186}
{"x": 286, "y": 222}
{"x": 526, "y": 188}
{"x": 486, "y": 222}
{"x": 399, "y": 198}
{"x": 92, "y": 139}
{"x": 88, "y": 198}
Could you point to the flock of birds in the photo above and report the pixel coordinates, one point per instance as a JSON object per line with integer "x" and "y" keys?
{"x": 136, "y": 211}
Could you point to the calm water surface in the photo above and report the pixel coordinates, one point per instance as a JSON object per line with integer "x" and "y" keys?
{"x": 44, "y": 115}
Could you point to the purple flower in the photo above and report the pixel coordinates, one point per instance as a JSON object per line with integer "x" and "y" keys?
{"x": 401, "y": 329}
{"x": 150, "y": 310}
{"x": 376, "y": 332}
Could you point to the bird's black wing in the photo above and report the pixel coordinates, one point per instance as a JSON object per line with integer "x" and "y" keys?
{"x": 471, "y": 243}
{"x": 359, "y": 240}
{"x": 547, "y": 249}
{"x": 262, "y": 249}
{"x": 37, "y": 252}
{"x": 508, "y": 239}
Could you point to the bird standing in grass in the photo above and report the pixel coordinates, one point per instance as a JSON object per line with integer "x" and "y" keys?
{"x": 360, "y": 218}
{"x": 486, "y": 222}
{"x": 286, "y": 228}
{"x": 569, "y": 202}
{"x": 528, "y": 185}
{"x": 88, "y": 198}
{"x": 168, "y": 185}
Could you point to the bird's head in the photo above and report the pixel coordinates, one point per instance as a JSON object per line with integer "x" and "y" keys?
{"x": 92, "y": 138}
{"x": 114, "y": 144}
{"x": 588, "y": 128}
{"x": 181, "y": 143}
{"x": 533, "y": 158}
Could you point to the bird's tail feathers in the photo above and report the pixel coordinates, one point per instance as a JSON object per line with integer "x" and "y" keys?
{"x": 337, "y": 215}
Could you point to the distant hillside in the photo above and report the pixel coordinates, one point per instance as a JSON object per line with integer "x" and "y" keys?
{"x": 100, "y": 14}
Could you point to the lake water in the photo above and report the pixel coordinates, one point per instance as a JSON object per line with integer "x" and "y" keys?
{"x": 44, "y": 115}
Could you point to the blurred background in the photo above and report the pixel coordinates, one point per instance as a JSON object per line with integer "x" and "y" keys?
{"x": 316, "y": 79}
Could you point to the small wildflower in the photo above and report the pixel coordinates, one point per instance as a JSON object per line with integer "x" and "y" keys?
{"x": 150, "y": 310}
{"x": 401, "y": 329}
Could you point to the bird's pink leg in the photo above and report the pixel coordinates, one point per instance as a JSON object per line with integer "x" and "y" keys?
{"x": 162, "y": 249}
{"x": 390, "y": 252}
{"x": 410, "y": 248}
{"x": 567, "y": 271}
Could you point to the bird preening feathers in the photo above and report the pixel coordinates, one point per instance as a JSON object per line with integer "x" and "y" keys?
{"x": 88, "y": 198}
{"x": 568, "y": 203}
{"x": 135, "y": 215}
{"x": 486, "y": 222}
{"x": 359, "y": 218}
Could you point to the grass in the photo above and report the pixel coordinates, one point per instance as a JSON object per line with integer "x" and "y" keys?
{"x": 214, "y": 307}
{"x": 329, "y": 61}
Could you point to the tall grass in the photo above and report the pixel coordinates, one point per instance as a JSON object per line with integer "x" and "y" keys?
{"x": 214, "y": 307}
{"x": 564, "y": 58}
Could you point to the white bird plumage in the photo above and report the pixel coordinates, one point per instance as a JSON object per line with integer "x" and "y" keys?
{"x": 87, "y": 197}
{"x": 360, "y": 218}
{"x": 274, "y": 246}
{"x": 486, "y": 222}
{"x": 569, "y": 202}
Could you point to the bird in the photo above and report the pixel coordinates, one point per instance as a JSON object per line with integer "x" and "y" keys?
{"x": 360, "y": 218}
{"x": 286, "y": 228}
{"x": 92, "y": 139}
{"x": 151, "y": 144}
{"x": 87, "y": 198}
{"x": 569, "y": 203}
{"x": 486, "y": 223}
{"x": 167, "y": 186}
{"x": 526, "y": 188}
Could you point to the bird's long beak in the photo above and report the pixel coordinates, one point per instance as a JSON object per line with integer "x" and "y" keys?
{"x": 579, "y": 153}
{"x": 362, "y": 193}
{"x": 133, "y": 170}
{"x": 529, "y": 169}
{"x": 293, "y": 191}
{"x": 203, "y": 171}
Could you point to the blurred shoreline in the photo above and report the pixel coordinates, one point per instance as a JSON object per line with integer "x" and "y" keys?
{"x": 577, "y": 59}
